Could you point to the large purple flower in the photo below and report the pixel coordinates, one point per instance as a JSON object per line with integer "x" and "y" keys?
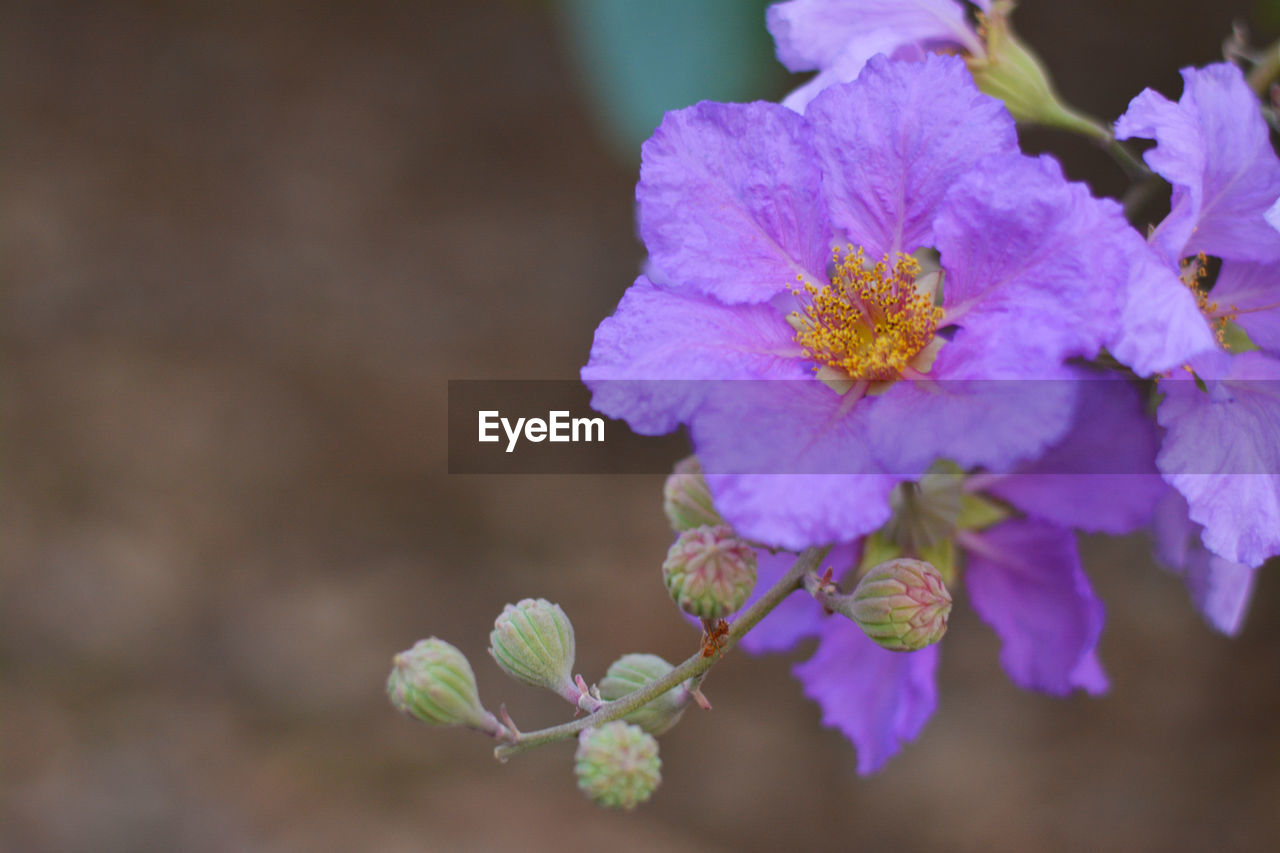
{"x": 876, "y": 367}
{"x": 1222, "y": 415}
{"x": 1019, "y": 565}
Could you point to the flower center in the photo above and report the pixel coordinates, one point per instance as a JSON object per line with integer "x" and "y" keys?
{"x": 872, "y": 321}
{"x": 1192, "y": 273}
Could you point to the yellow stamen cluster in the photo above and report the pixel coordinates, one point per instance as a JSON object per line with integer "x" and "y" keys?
{"x": 870, "y": 322}
{"x": 1192, "y": 275}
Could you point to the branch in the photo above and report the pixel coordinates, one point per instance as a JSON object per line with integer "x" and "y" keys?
{"x": 694, "y": 667}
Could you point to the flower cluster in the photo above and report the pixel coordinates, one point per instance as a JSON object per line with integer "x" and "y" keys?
{"x": 888, "y": 330}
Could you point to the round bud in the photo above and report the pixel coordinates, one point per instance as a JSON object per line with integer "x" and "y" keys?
{"x": 617, "y": 765}
{"x": 709, "y": 571}
{"x": 631, "y": 672}
{"x": 686, "y": 499}
{"x": 434, "y": 683}
{"x": 902, "y": 604}
{"x": 533, "y": 642}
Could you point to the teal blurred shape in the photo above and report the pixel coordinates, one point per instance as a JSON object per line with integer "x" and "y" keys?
{"x": 639, "y": 58}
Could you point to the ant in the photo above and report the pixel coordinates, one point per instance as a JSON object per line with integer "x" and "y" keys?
{"x": 713, "y": 639}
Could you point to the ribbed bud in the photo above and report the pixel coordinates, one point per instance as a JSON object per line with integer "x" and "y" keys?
{"x": 434, "y": 683}
{"x": 902, "y": 604}
{"x": 533, "y": 642}
{"x": 686, "y": 499}
{"x": 617, "y": 765}
{"x": 709, "y": 571}
{"x": 631, "y": 672}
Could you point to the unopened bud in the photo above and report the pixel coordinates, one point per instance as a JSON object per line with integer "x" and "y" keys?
{"x": 434, "y": 683}
{"x": 686, "y": 499}
{"x": 709, "y": 571}
{"x": 902, "y": 604}
{"x": 533, "y": 642}
{"x": 617, "y": 765}
{"x": 631, "y": 672}
{"x": 1011, "y": 72}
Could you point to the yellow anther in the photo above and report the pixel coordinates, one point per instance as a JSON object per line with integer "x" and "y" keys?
{"x": 1192, "y": 275}
{"x": 870, "y": 321}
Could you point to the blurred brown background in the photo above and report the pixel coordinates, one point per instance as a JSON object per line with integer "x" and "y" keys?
{"x": 245, "y": 247}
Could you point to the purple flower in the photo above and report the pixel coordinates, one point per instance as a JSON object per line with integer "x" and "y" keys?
{"x": 837, "y": 38}
{"x": 1222, "y": 415}
{"x": 740, "y": 206}
{"x": 1022, "y": 573}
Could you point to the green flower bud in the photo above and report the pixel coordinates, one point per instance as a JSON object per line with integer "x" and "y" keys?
{"x": 533, "y": 642}
{"x": 1011, "y": 72}
{"x": 631, "y": 672}
{"x": 902, "y": 604}
{"x": 617, "y": 765}
{"x": 434, "y": 683}
{"x": 709, "y": 571}
{"x": 686, "y": 499}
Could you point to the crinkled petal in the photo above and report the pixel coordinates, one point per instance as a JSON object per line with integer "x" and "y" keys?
{"x": 1220, "y": 589}
{"x": 879, "y": 699}
{"x": 1222, "y": 452}
{"x": 1102, "y": 477}
{"x": 1252, "y": 293}
{"x": 1214, "y": 147}
{"x": 728, "y": 201}
{"x": 799, "y": 616}
{"x": 1273, "y": 215}
{"x": 1025, "y": 581}
{"x": 846, "y": 66}
{"x": 651, "y": 359}
{"x": 812, "y": 34}
{"x": 1160, "y": 326}
{"x": 892, "y": 143}
{"x": 788, "y": 465}
{"x": 1034, "y": 263}
{"x": 992, "y": 422}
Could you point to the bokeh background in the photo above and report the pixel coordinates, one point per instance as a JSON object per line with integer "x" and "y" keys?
{"x": 246, "y": 244}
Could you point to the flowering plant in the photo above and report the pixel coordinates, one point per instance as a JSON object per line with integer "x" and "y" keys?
{"x": 913, "y": 359}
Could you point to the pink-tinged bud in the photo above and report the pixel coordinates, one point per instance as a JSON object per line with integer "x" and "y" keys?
{"x": 617, "y": 765}
{"x": 709, "y": 571}
{"x": 686, "y": 500}
{"x": 902, "y": 604}
{"x": 631, "y": 672}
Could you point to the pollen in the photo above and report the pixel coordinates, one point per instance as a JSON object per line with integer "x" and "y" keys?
{"x": 871, "y": 321}
{"x": 1192, "y": 274}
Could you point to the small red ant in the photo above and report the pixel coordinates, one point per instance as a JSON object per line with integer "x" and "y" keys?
{"x": 713, "y": 639}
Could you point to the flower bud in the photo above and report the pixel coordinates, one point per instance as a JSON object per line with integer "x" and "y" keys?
{"x": 533, "y": 642}
{"x": 686, "y": 499}
{"x": 617, "y": 765}
{"x": 433, "y": 682}
{"x": 1011, "y": 72}
{"x": 709, "y": 571}
{"x": 631, "y": 672}
{"x": 902, "y": 604}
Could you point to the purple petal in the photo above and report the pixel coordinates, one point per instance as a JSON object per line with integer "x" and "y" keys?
{"x": 811, "y": 34}
{"x": 798, "y": 616}
{"x": 1214, "y": 147}
{"x": 657, "y": 338}
{"x": 788, "y": 465}
{"x": 879, "y": 699}
{"x": 846, "y": 67}
{"x": 1222, "y": 452}
{"x": 894, "y": 141}
{"x": 1220, "y": 589}
{"x": 1025, "y": 581}
{"x": 1046, "y": 289}
{"x": 1252, "y": 293}
{"x": 1161, "y": 327}
{"x": 1102, "y": 477}
{"x": 993, "y": 421}
{"x": 728, "y": 201}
